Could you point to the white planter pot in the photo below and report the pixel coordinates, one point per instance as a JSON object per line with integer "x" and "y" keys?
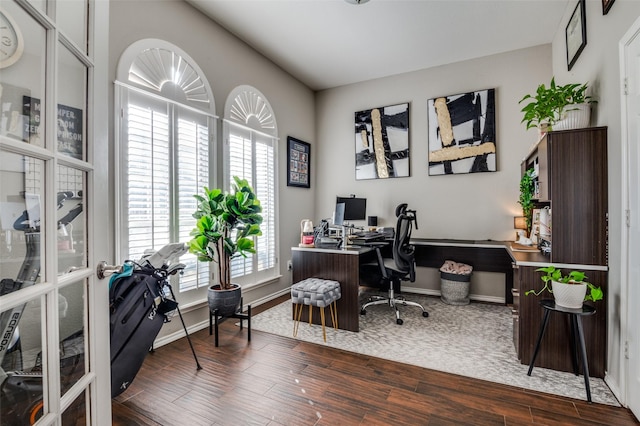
{"x": 574, "y": 117}
{"x": 569, "y": 295}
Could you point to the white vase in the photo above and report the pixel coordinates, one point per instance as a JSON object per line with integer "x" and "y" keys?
{"x": 569, "y": 295}
{"x": 574, "y": 117}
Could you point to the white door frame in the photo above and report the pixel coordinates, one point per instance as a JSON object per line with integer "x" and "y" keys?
{"x": 100, "y": 220}
{"x": 626, "y": 306}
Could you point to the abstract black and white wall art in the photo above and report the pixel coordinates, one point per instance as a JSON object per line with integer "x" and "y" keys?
{"x": 462, "y": 133}
{"x": 382, "y": 142}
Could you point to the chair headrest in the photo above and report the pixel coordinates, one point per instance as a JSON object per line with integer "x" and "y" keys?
{"x": 401, "y": 209}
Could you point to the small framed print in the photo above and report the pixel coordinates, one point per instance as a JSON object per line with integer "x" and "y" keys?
{"x": 298, "y": 163}
{"x": 606, "y": 5}
{"x": 576, "y": 34}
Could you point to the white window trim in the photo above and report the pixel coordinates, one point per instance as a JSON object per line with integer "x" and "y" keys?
{"x": 122, "y": 86}
{"x": 254, "y": 105}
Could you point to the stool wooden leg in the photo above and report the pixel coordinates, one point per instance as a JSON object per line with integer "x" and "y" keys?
{"x": 334, "y": 314}
{"x": 297, "y": 314}
{"x": 324, "y": 332}
{"x": 310, "y": 314}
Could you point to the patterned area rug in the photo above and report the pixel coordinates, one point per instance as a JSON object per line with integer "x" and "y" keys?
{"x": 472, "y": 340}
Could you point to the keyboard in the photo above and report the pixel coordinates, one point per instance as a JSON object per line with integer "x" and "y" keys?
{"x": 368, "y": 236}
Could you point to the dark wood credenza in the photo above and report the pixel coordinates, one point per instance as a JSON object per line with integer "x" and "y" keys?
{"x": 572, "y": 181}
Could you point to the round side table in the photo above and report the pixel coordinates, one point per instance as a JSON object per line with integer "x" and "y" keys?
{"x": 576, "y": 315}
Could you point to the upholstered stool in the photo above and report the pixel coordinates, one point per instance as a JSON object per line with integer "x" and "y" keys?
{"x": 315, "y": 292}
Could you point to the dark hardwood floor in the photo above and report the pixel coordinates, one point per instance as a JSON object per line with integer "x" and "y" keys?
{"x": 280, "y": 381}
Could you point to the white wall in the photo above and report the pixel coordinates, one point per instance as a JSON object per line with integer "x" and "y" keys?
{"x": 468, "y": 206}
{"x": 598, "y": 64}
{"x": 227, "y": 63}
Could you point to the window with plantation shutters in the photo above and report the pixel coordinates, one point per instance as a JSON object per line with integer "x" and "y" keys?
{"x": 147, "y": 177}
{"x": 192, "y": 174}
{"x": 250, "y": 153}
{"x": 165, "y": 154}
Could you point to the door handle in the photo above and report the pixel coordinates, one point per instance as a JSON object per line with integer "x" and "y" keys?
{"x": 104, "y": 270}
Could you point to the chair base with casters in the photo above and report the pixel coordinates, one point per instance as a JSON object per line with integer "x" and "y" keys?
{"x": 393, "y": 302}
{"x": 401, "y": 267}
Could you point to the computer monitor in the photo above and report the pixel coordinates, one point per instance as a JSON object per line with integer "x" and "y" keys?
{"x": 354, "y": 208}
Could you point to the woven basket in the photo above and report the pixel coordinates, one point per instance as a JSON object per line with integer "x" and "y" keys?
{"x": 454, "y": 288}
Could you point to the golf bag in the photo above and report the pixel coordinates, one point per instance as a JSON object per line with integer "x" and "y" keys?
{"x": 140, "y": 302}
{"x": 135, "y": 322}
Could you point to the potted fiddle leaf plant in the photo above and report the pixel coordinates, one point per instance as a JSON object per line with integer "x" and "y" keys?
{"x": 227, "y": 223}
{"x": 569, "y": 290}
{"x": 558, "y": 107}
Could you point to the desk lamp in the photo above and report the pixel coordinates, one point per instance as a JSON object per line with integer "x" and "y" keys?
{"x": 520, "y": 223}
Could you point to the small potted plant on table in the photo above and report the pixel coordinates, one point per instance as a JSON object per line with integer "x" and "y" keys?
{"x": 569, "y": 291}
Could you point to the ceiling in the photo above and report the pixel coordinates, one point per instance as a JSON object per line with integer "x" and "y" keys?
{"x": 330, "y": 43}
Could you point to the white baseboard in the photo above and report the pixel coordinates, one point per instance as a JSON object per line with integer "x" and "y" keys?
{"x": 178, "y": 334}
{"x": 205, "y": 324}
{"x": 615, "y": 389}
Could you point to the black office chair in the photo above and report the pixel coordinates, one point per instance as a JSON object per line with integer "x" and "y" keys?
{"x": 399, "y": 268}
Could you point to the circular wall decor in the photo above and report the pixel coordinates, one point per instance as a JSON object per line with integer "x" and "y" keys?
{"x": 11, "y": 41}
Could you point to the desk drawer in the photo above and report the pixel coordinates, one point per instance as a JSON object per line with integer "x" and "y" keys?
{"x": 515, "y": 313}
{"x": 516, "y": 335}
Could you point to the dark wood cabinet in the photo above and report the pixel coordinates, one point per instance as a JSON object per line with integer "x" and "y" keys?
{"x": 554, "y": 350}
{"x": 572, "y": 181}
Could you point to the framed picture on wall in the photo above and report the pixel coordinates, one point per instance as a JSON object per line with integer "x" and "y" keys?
{"x": 462, "y": 133}
{"x": 606, "y": 5}
{"x": 382, "y": 142}
{"x": 576, "y": 34}
{"x": 298, "y": 163}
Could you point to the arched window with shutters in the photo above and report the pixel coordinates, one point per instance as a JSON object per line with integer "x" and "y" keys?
{"x": 166, "y": 134}
{"x": 250, "y": 152}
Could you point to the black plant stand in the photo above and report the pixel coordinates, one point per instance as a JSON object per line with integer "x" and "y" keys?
{"x": 576, "y": 327}
{"x": 215, "y": 320}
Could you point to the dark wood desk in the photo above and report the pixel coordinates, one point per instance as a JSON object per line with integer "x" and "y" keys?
{"x": 486, "y": 256}
{"x": 343, "y": 266}
{"x": 333, "y": 264}
{"x": 490, "y": 256}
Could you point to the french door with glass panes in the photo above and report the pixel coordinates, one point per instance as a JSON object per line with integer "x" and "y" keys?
{"x": 54, "y": 363}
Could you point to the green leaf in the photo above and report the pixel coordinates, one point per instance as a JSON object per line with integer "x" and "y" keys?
{"x": 576, "y": 276}
{"x": 594, "y": 294}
